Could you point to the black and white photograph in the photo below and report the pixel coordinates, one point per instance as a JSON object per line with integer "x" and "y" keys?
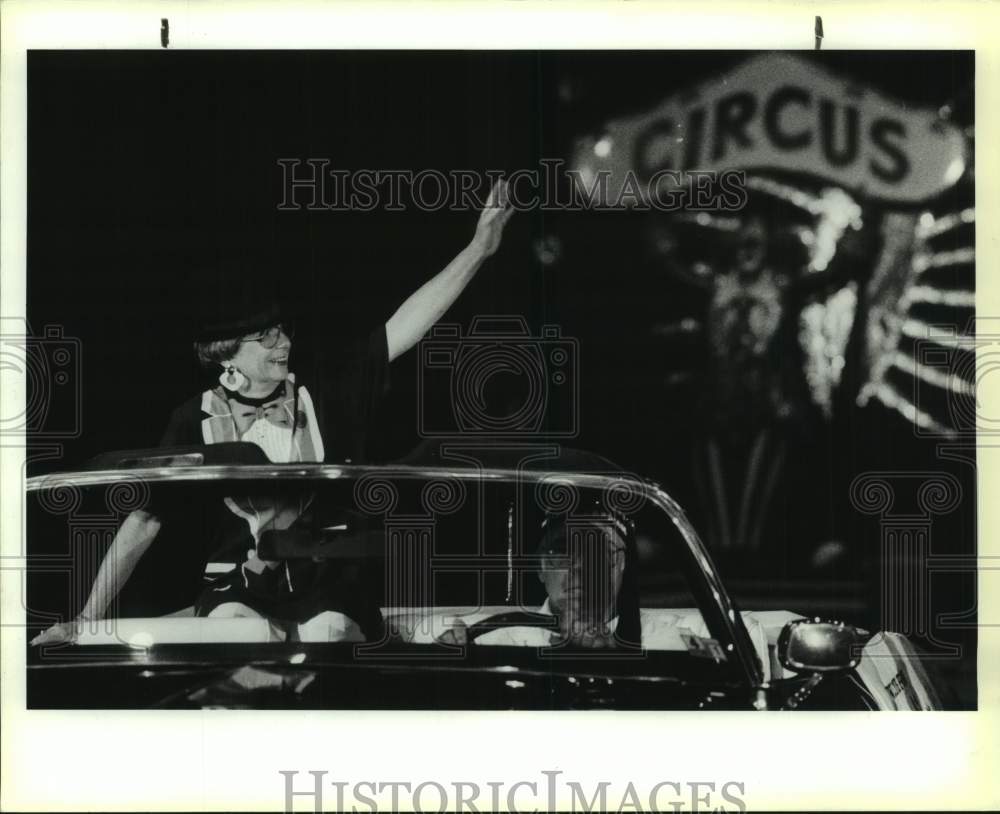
{"x": 439, "y": 379}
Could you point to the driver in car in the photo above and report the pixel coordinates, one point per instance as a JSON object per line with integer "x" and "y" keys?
{"x": 591, "y": 595}
{"x": 587, "y": 565}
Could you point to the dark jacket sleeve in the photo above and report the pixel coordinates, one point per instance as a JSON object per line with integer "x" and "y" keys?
{"x": 184, "y": 427}
{"x": 352, "y": 392}
{"x": 365, "y": 373}
{"x": 183, "y": 430}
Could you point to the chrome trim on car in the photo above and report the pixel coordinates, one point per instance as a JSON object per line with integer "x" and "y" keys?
{"x": 727, "y": 616}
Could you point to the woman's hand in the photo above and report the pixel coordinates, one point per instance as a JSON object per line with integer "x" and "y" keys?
{"x": 59, "y": 634}
{"x": 493, "y": 218}
{"x": 425, "y": 306}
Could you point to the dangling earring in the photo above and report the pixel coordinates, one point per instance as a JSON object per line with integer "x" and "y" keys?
{"x": 232, "y": 379}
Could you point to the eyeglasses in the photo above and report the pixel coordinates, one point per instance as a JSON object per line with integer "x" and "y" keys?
{"x": 269, "y": 337}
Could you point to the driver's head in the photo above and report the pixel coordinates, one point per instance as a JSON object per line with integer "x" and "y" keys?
{"x": 582, "y": 565}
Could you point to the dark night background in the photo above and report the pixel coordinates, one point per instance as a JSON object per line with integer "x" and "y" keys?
{"x": 147, "y": 170}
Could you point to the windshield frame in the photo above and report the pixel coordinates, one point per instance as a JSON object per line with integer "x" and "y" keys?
{"x": 714, "y": 601}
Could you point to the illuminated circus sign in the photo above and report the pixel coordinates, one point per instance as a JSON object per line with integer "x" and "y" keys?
{"x": 780, "y": 112}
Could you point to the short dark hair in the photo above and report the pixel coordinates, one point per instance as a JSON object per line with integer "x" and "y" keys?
{"x": 216, "y": 351}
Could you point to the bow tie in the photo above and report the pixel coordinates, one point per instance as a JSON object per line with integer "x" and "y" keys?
{"x": 272, "y": 408}
{"x": 246, "y": 415}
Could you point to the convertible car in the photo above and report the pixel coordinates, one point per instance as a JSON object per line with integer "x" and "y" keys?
{"x": 453, "y": 548}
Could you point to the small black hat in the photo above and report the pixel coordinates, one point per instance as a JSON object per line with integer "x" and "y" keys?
{"x": 236, "y": 299}
{"x": 229, "y": 322}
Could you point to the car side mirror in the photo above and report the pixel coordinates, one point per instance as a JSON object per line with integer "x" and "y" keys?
{"x": 812, "y": 646}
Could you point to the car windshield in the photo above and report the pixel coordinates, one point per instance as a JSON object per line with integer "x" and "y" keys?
{"x": 484, "y": 567}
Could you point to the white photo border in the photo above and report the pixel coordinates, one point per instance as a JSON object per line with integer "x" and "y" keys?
{"x": 215, "y": 760}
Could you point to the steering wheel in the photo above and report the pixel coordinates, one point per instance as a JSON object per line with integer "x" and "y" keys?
{"x": 511, "y": 619}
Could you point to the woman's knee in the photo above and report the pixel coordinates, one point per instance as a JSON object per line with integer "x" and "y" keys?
{"x": 331, "y": 626}
{"x": 234, "y": 610}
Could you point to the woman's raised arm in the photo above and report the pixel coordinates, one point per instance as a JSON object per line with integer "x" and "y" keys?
{"x": 427, "y": 304}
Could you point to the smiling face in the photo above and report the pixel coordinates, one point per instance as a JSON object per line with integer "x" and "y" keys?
{"x": 265, "y": 367}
